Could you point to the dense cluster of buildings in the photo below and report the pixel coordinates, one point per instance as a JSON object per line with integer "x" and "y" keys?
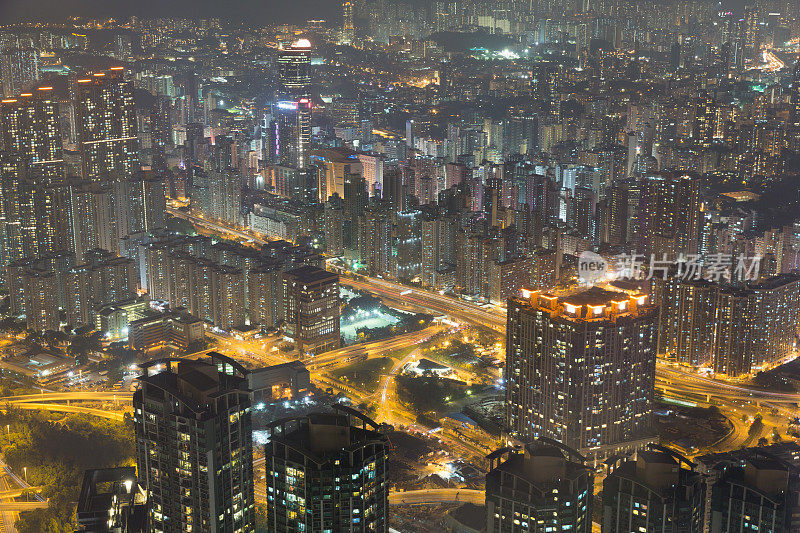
{"x": 664, "y": 130}
{"x": 475, "y": 148}
{"x": 548, "y": 487}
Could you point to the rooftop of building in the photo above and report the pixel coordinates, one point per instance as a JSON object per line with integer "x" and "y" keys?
{"x": 542, "y": 463}
{"x": 311, "y": 274}
{"x": 776, "y": 281}
{"x": 323, "y": 436}
{"x": 195, "y": 382}
{"x": 594, "y": 303}
{"x": 103, "y": 490}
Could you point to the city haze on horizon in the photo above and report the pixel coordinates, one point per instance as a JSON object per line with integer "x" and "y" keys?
{"x": 252, "y": 12}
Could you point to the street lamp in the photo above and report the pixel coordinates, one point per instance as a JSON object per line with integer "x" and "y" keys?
{"x": 25, "y": 470}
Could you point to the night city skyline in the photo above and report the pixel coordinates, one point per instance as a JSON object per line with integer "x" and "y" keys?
{"x": 373, "y": 266}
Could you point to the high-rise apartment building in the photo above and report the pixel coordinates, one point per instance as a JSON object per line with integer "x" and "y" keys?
{"x": 375, "y": 240}
{"x": 30, "y": 128}
{"x": 194, "y": 445}
{"x": 327, "y": 472}
{"x": 705, "y": 115}
{"x": 659, "y": 491}
{"x": 41, "y": 301}
{"x": 105, "y": 118}
{"x": 34, "y": 217}
{"x": 669, "y": 215}
{"x": 580, "y": 369}
{"x": 407, "y": 261}
{"x": 795, "y": 96}
{"x": 311, "y": 305}
{"x": 734, "y": 329}
{"x": 19, "y": 69}
{"x": 102, "y": 280}
{"x": 545, "y": 487}
{"x": 111, "y": 501}
{"x": 758, "y": 493}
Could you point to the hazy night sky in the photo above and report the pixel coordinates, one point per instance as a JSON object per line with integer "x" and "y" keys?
{"x": 256, "y": 12}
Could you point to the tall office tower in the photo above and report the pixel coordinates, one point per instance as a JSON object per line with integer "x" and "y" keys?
{"x": 355, "y": 202}
{"x": 41, "y": 300}
{"x": 580, "y": 369}
{"x": 194, "y": 445}
{"x": 294, "y": 69}
{"x": 290, "y": 131}
{"x": 795, "y": 95}
{"x": 669, "y": 215}
{"x": 19, "y": 69}
{"x": 348, "y": 29}
{"x": 105, "y": 118}
{"x": 545, "y": 487}
{"x": 111, "y": 501}
{"x": 705, "y": 116}
{"x": 327, "y": 472}
{"x": 311, "y": 305}
{"x": 756, "y": 493}
{"x": 375, "y": 240}
{"x": 660, "y": 492}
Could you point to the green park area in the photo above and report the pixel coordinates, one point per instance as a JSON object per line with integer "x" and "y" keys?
{"x": 427, "y": 394}
{"x": 53, "y": 451}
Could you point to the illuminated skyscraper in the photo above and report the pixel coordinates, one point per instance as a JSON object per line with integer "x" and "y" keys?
{"x": 290, "y": 131}
{"x": 30, "y": 129}
{"x": 294, "y": 65}
{"x": 33, "y": 215}
{"x": 795, "y": 95}
{"x": 659, "y": 492}
{"x": 194, "y": 445}
{"x": 348, "y": 29}
{"x": 705, "y": 115}
{"x": 106, "y": 125}
{"x": 19, "y": 68}
{"x": 669, "y": 215}
{"x": 327, "y": 472}
{"x": 580, "y": 369}
{"x": 546, "y": 487}
{"x": 311, "y": 304}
